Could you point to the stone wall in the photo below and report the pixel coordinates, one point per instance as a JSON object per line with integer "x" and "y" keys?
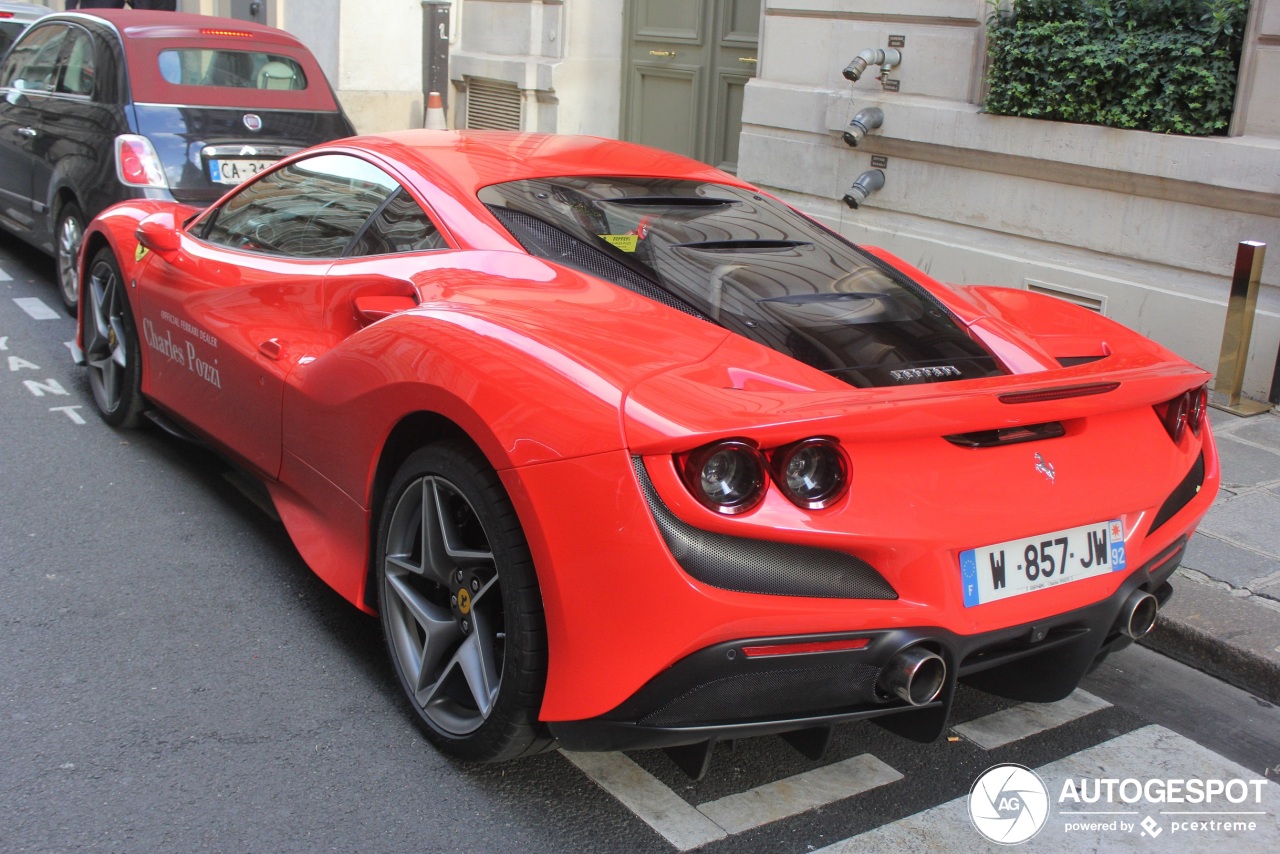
{"x": 1143, "y": 226}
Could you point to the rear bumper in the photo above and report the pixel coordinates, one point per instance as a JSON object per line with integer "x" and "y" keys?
{"x": 720, "y": 693}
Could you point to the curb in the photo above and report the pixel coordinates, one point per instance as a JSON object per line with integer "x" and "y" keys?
{"x": 1223, "y": 635}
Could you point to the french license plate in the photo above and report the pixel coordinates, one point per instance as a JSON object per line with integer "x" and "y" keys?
{"x": 990, "y": 573}
{"x": 235, "y": 171}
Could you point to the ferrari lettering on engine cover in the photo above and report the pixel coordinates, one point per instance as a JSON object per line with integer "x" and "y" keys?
{"x": 940, "y": 371}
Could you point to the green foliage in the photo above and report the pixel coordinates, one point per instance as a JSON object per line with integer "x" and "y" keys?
{"x": 1162, "y": 65}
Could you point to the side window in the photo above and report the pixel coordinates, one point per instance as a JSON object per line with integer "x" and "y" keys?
{"x": 308, "y": 209}
{"x": 401, "y": 226}
{"x": 32, "y": 64}
{"x": 80, "y": 69}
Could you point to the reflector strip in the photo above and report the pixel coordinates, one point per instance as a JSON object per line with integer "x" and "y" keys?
{"x": 1041, "y": 395}
{"x": 804, "y": 648}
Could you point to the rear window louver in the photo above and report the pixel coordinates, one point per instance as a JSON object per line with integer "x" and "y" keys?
{"x": 544, "y": 240}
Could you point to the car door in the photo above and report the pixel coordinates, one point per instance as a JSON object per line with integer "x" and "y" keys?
{"x": 27, "y": 80}
{"x": 75, "y": 133}
{"x": 229, "y": 316}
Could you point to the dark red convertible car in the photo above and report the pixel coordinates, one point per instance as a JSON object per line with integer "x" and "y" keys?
{"x": 111, "y": 104}
{"x": 625, "y": 452}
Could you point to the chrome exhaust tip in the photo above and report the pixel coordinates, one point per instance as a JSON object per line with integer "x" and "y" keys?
{"x": 915, "y": 675}
{"x": 1138, "y": 615}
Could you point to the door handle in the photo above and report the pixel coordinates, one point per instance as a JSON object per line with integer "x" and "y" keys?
{"x": 751, "y": 59}
{"x": 662, "y": 53}
{"x": 28, "y": 132}
{"x": 271, "y": 348}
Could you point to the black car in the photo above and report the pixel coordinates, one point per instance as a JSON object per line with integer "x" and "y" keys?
{"x": 121, "y": 104}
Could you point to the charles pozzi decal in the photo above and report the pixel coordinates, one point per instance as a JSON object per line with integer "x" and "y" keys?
{"x": 184, "y": 351}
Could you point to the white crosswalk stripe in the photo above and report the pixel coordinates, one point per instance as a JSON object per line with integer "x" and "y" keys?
{"x": 686, "y": 826}
{"x": 1150, "y": 753}
{"x": 1001, "y": 728}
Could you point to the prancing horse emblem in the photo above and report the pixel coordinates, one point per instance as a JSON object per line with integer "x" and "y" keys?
{"x": 1045, "y": 467}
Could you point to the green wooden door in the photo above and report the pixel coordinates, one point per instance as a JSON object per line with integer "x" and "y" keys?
{"x": 687, "y": 63}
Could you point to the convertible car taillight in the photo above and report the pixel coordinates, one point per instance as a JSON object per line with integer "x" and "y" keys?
{"x": 726, "y": 476}
{"x": 1186, "y": 410}
{"x": 137, "y": 163}
{"x": 813, "y": 473}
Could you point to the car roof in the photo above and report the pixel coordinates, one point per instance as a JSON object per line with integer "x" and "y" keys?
{"x": 467, "y": 160}
{"x": 145, "y": 33}
{"x": 134, "y": 24}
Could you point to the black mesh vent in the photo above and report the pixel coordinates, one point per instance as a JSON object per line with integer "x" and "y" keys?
{"x": 762, "y": 566}
{"x": 546, "y": 241}
{"x": 770, "y": 694}
{"x": 1182, "y": 494}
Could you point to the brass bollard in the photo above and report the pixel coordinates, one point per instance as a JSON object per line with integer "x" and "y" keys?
{"x": 1234, "y": 357}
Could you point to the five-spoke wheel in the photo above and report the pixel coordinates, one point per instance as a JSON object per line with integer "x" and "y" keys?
{"x": 111, "y": 344}
{"x": 460, "y": 606}
{"x": 70, "y": 233}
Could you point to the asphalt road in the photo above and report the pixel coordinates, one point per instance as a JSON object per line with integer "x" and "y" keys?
{"x": 173, "y": 677}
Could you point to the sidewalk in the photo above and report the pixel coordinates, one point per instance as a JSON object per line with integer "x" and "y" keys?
{"x": 1224, "y": 617}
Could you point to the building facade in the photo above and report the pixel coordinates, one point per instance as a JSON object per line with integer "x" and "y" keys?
{"x": 1140, "y": 226}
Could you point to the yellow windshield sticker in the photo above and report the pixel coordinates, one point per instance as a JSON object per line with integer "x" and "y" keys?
{"x": 625, "y": 242}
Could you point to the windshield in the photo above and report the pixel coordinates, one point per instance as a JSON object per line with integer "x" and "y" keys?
{"x": 749, "y": 264}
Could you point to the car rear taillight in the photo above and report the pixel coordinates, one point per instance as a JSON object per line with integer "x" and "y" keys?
{"x": 730, "y": 477}
{"x": 137, "y": 164}
{"x": 727, "y": 476}
{"x": 1199, "y": 403}
{"x": 235, "y": 34}
{"x": 1186, "y": 410}
{"x": 812, "y": 474}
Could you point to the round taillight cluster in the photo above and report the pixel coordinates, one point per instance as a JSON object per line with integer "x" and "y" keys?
{"x": 813, "y": 474}
{"x": 726, "y": 476}
{"x": 1186, "y": 410}
{"x": 732, "y": 475}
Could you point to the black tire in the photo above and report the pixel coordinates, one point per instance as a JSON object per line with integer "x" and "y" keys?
{"x": 111, "y": 347}
{"x": 460, "y": 607}
{"x": 67, "y": 236}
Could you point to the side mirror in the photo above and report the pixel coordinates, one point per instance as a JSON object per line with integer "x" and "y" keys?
{"x": 158, "y": 233}
{"x": 15, "y": 96}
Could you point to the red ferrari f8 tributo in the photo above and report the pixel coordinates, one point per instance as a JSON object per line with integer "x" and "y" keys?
{"x": 627, "y": 453}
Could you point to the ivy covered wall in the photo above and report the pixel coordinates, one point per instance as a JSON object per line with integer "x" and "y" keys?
{"x": 1168, "y": 66}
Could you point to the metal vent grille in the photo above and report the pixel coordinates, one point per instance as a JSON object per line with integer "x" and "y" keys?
{"x": 492, "y": 104}
{"x": 1093, "y": 302}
